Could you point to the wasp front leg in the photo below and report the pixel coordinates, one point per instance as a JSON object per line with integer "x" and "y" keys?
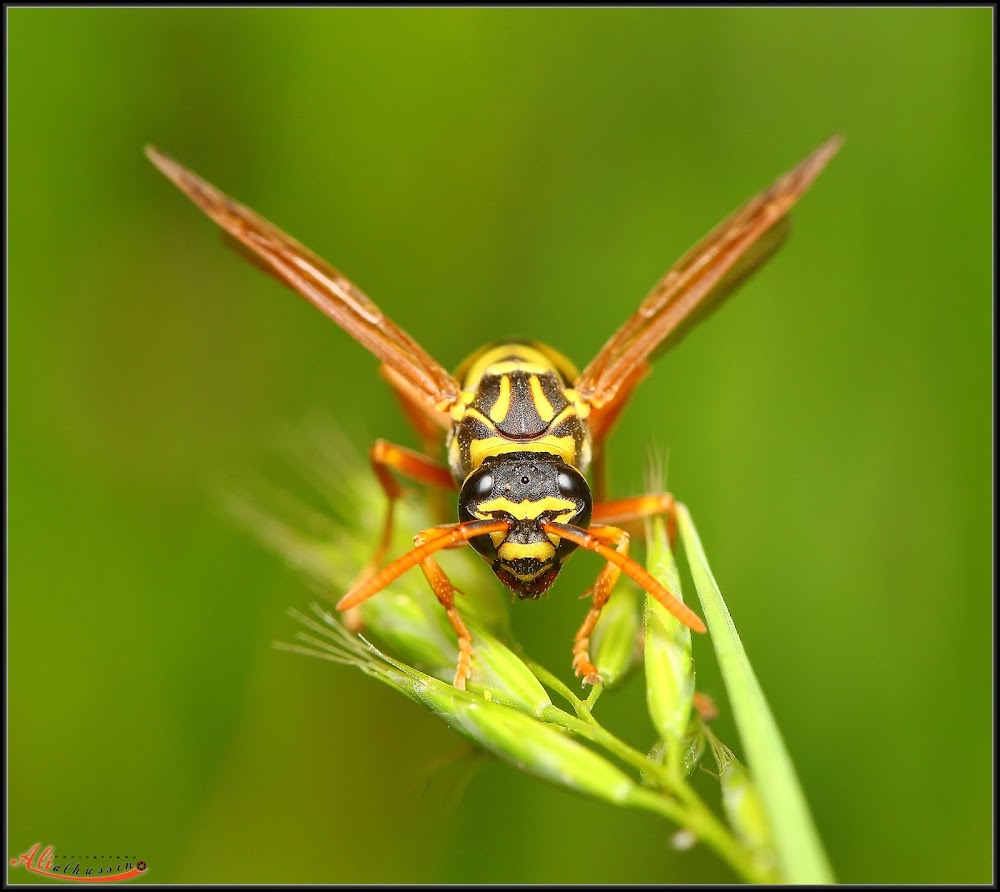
{"x": 444, "y": 591}
{"x": 426, "y": 543}
{"x": 616, "y": 511}
{"x": 612, "y": 544}
{"x": 601, "y": 591}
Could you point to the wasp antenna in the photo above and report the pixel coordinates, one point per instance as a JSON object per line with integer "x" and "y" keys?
{"x": 632, "y": 569}
{"x": 439, "y": 538}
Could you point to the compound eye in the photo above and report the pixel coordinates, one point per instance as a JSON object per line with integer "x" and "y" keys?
{"x": 573, "y": 486}
{"x": 478, "y": 487}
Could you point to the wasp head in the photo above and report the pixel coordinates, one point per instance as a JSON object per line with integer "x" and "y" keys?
{"x": 526, "y": 489}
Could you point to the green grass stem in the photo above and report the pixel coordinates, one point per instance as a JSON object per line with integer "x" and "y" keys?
{"x": 797, "y": 845}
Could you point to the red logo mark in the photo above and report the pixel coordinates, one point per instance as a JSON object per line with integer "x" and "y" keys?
{"x": 44, "y": 864}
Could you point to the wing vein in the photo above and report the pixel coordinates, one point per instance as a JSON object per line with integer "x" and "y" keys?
{"x": 322, "y": 285}
{"x": 700, "y": 281}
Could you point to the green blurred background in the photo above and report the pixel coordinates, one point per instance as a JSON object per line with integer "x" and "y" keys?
{"x": 483, "y": 173}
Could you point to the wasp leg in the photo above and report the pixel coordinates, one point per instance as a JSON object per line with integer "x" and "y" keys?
{"x": 598, "y": 539}
{"x": 639, "y": 508}
{"x": 427, "y": 543}
{"x": 600, "y": 593}
{"x": 385, "y": 458}
{"x": 444, "y": 591}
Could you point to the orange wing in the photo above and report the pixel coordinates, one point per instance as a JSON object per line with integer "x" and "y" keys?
{"x": 322, "y": 285}
{"x": 698, "y": 282}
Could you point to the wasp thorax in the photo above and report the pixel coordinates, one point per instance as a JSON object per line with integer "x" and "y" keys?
{"x": 528, "y": 490}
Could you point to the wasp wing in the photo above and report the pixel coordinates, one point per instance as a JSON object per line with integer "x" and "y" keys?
{"x": 322, "y": 285}
{"x": 700, "y": 281}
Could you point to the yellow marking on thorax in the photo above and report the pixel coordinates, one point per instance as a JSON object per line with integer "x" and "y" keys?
{"x": 511, "y": 551}
{"x": 568, "y": 412}
{"x": 460, "y": 405}
{"x": 454, "y": 453}
{"x": 564, "y": 447}
{"x": 527, "y": 509}
{"x": 473, "y": 412}
{"x": 582, "y": 407}
{"x": 510, "y": 366}
{"x": 542, "y": 404}
{"x": 499, "y": 410}
{"x": 501, "y": 358}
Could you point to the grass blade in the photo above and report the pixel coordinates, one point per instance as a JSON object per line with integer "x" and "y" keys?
{"x": 669, "y": 666}
{"x": 797, "y": 844}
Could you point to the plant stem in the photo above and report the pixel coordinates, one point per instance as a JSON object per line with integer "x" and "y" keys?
{"x": 595, "y": 692}
{"x": 695, "y": 816}
{"x": 676, "y": 799}
{"x": 596, "y": 733}
{"x": 555, "y": 684}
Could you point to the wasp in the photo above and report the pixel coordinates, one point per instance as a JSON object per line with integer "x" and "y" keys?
{"x": 521, "y": 427}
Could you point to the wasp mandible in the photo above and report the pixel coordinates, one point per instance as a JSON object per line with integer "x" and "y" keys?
{"x": 521, "y": 427}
